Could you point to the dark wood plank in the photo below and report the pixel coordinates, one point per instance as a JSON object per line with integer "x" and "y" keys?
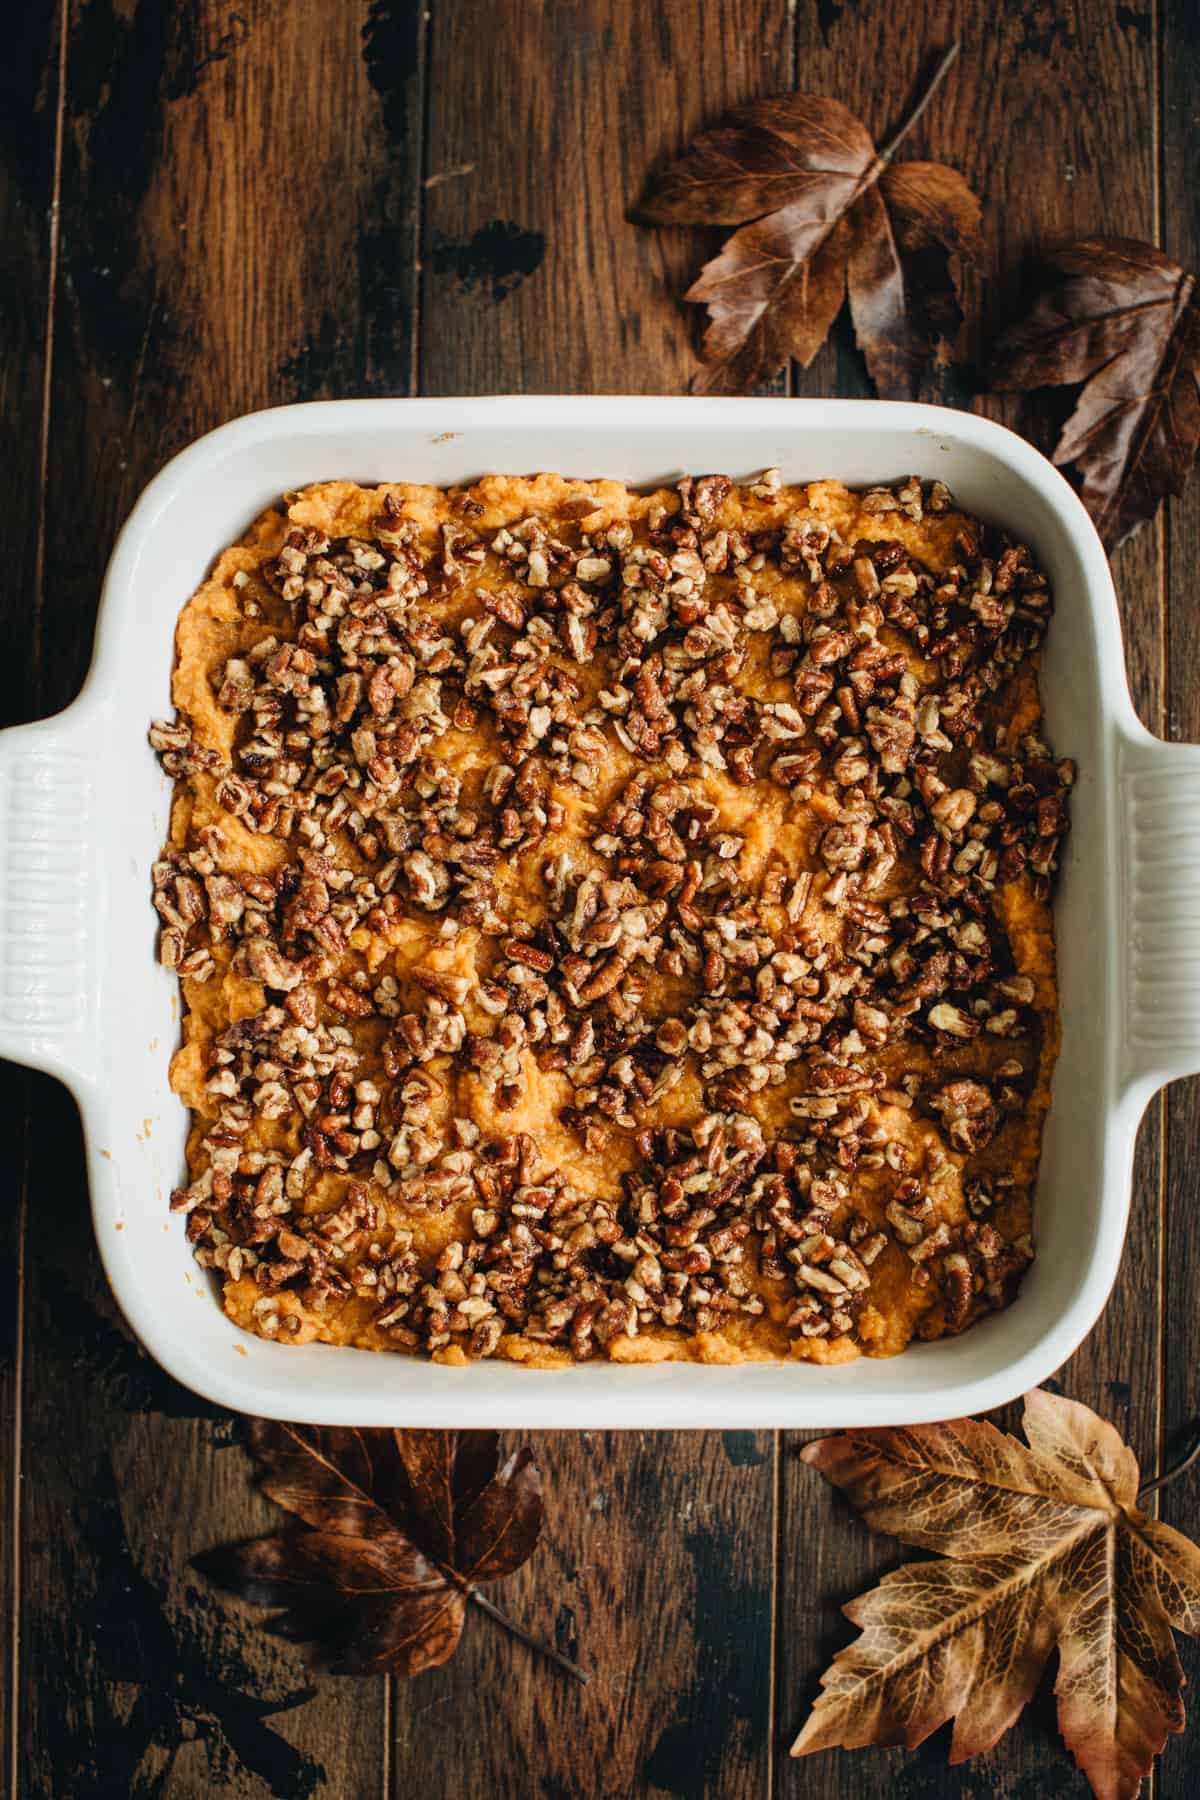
{"x": 544, "y": 123}
{"x": 657, "y": 1561}
{"x": 1019, "y": 116}
{"x": 1180, "y": 1503}
{"x": 29, "y": 107}
{"x": 656, "y": 1564}
{"x": 239, "y": 196}
{"x": 651, "y": 1574}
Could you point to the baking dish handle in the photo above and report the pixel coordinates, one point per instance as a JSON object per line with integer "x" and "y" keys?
{"x": 1160, "y": 821}
{"x": 48, "y": 968}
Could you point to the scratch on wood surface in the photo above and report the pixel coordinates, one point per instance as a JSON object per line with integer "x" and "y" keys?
{"x": 451, "y": 174}
{"x": 138, "y": 370}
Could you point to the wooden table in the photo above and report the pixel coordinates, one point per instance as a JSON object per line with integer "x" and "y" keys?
{"x": 208, "y": 208}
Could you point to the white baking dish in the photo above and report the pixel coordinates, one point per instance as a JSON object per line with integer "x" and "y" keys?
{"x": 83, "y": 811}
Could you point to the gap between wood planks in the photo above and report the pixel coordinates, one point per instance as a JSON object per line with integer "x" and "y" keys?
{"x": 39, "y": 600}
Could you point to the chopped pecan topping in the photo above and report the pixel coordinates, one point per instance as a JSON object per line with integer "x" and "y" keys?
{"x": 689, "y": 822}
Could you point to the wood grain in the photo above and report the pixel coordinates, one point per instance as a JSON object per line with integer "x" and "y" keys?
{"x": 1018, "y": 116}
{"x": 1180, "y": 1503}
{"x": 544, "y": 122}
{"x": 654, "y": 1573}
{"x": 238, "y": 207}
{"x": 533, "y": 280}
{"x": 29, "y": 104}
{"x": 244, "y": 188}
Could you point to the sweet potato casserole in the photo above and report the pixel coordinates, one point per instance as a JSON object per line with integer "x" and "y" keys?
{"x": 613, "y": 924}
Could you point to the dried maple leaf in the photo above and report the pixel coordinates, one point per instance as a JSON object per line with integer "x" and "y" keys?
{"x": 1124, "y": 320}
{"x": 1047, "y": 1550}
{"x": 822, "y": 214}
{"x": 398, "y": 1529}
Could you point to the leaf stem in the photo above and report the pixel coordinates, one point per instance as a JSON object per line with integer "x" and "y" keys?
{"x": 939, "y": 75}
{"x": 547, "y": 1650}
{"x": 1186, "y": 1462}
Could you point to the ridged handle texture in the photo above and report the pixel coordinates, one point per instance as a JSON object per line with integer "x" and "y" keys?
{"x": 47, "y": 898}
{"x": 1160, "y": 801}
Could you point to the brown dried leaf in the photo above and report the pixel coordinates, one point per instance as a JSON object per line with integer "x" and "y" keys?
{"x": 767, "y": 154}
{"x": 428, "y": 1459}
{"x": 765, "y": 304}
{"x": 374, "y": 1605}
{"x": 820, "y": 211}
{"x": 1047, "y": 1549}
{"x": 497, "y": 1532}
{"x": 928, "y": 225}
{"x": 335, "y": 1480}
{"x": 401, "y": 1525}
{"x": 1125, "y": 321}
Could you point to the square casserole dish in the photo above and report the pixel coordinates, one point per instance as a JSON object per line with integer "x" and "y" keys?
{"x": 84, "y": 811}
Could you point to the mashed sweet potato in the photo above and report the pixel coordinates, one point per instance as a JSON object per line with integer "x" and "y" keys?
{"x": 613, "y": 923}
